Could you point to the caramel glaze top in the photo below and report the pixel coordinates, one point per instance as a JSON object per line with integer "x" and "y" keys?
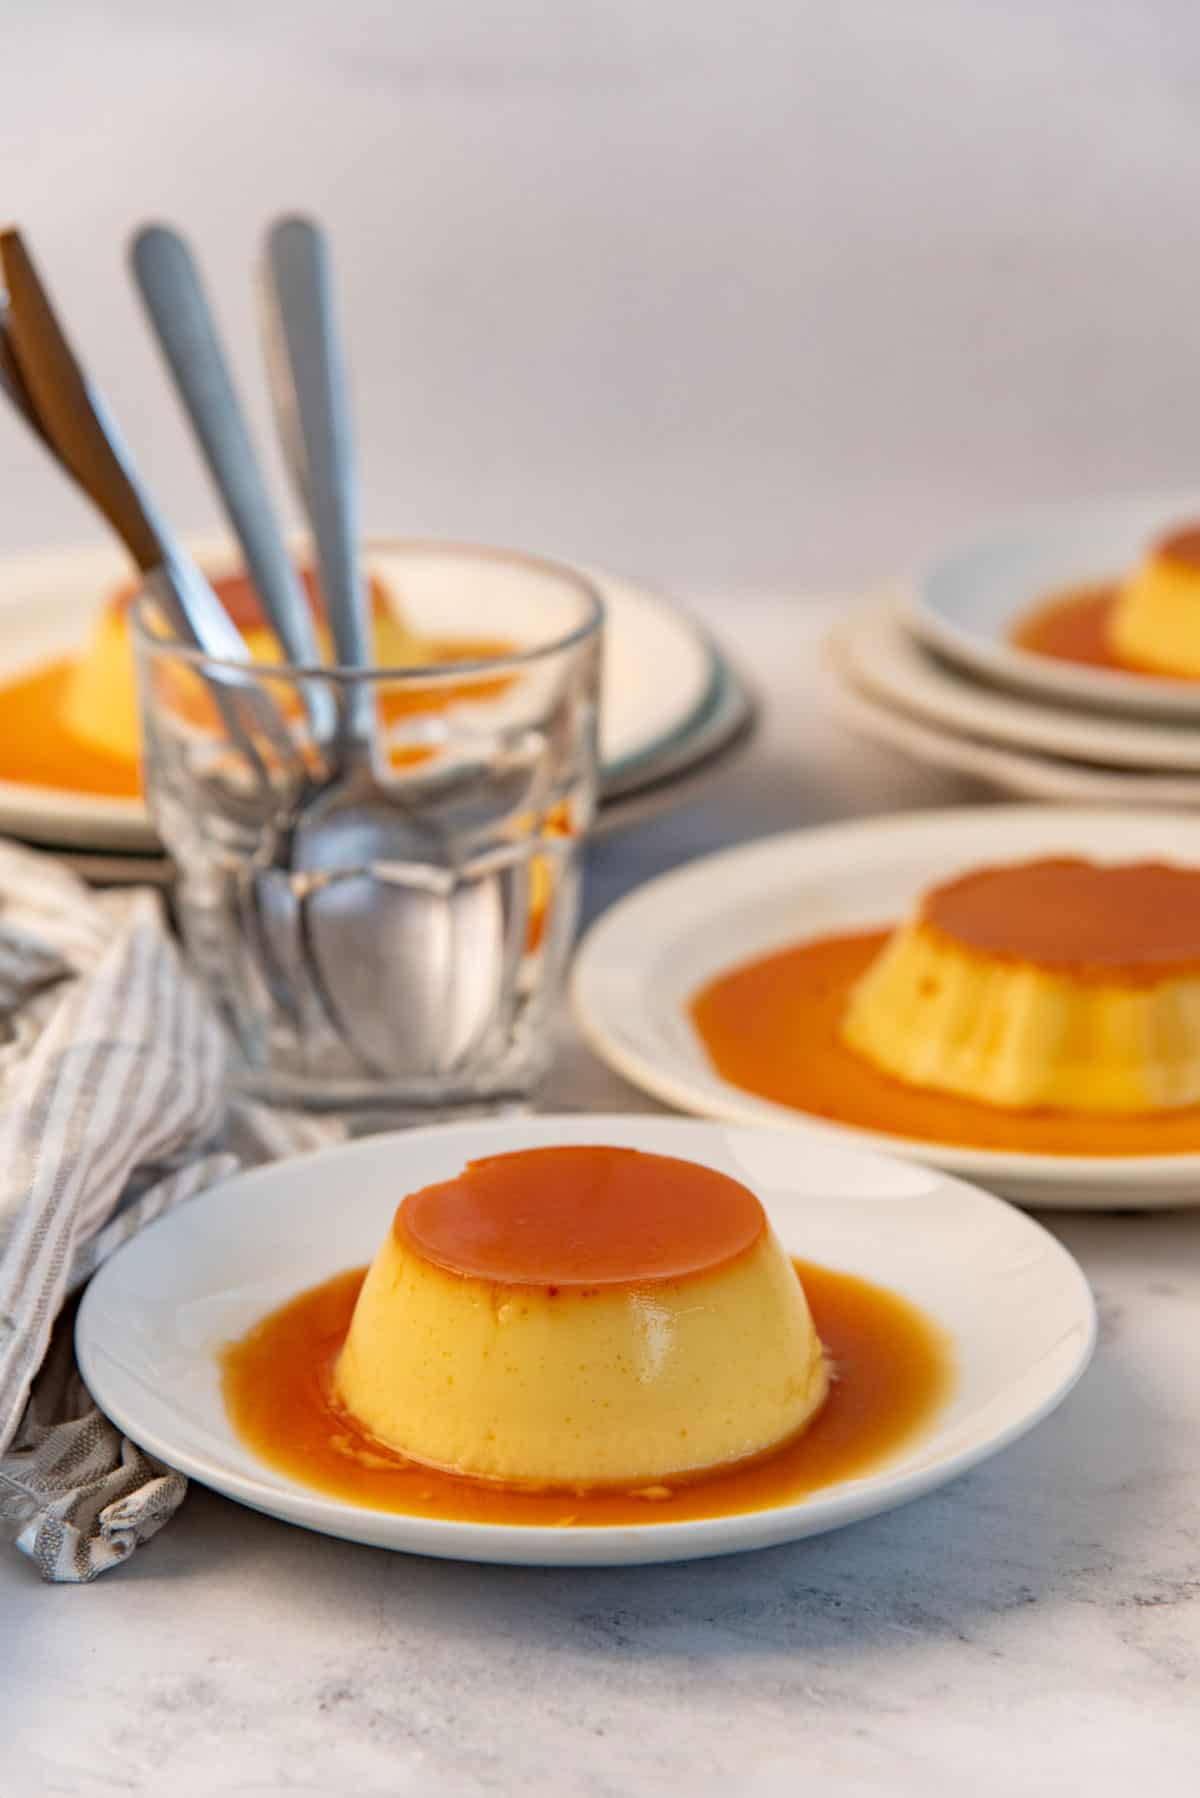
{"x": 581, "y": 1217}
{"x": 1182, "y": 547}
{"x": 1134, "y": 924}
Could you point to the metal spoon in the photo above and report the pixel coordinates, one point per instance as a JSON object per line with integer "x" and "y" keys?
{"x": 174, "y": 297}
{"x": 12, "y": 381}
{"x": 300, "y": 280}
{"x": 61, "y": 406}
{"x": 411, "y": 956}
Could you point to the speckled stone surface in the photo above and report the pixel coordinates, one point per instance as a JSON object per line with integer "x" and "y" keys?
{"x": 1032, "y": 1629}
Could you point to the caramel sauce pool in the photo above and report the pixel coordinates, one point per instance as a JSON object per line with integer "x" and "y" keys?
{"x": 1073, "y": 627}
{"x": 892, "y": 1370}
{"x": 772, "y": 1027}
{"x": 36, "y": 750}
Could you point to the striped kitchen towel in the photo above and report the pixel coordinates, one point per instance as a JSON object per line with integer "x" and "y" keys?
{"x": 112, "y": 1110}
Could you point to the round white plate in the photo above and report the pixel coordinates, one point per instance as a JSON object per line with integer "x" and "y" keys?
{"x": 662, "y": 673}
{"x": 966, "y": 603}
{"x": 883, "y": 657}
{"x": 1010, "y": 771}
{"x": 641, "y": 962}
{"x": 1016, "y": 1306}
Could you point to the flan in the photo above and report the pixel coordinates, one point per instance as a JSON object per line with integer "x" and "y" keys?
{"x": 581, "y": 1318}
{"x": 1155, "y": 619}
{"x": 99, "y": 705}
{"x": 1056, "y": 983}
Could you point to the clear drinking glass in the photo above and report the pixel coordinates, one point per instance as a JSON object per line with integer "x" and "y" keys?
{"x": 378, "y": 871}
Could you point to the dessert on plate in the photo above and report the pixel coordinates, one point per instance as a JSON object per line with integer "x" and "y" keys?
{"x": 1155, "y": 619}
{"x": 1055, "y": 983}
{"x": 581, "y": 1317}
{"x": 583, "y": 1335}
{"x": 1049, "y": 1006}
{"x": 99, "y": 698}
{"x": 1145, "y": 622}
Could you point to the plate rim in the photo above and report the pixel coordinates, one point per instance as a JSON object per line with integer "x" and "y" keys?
{"x": 877, "y": 631}
{"x": 1029, "y": 774}
{"x": 1172, "y": 1178}
{"x": 634, "y": 1544}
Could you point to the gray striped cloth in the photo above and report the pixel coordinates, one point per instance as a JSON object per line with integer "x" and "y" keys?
{"x": 112, "y": 1110}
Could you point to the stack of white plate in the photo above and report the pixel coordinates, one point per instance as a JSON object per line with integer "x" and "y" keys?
{"x": 672, "y": 710}
{"x": 931, "y": 671}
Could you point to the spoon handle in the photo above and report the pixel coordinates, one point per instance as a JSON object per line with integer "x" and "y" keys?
{"x": 59, "y": 390}
{"x": 301, "y": 310}
{"x": 174, "y": 297}
{"x": 74, "y": 421}
{"x": 76, "y": 424}
{"x": 12, "y": 381}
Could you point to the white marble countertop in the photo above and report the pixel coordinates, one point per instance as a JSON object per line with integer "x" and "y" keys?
{"x": 1035, "y": 1625}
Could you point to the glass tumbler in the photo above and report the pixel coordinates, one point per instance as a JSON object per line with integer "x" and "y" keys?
{"x": 378, "y": 871}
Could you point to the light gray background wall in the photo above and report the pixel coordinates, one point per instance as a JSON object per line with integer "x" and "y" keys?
{"x": 765, "y": 292}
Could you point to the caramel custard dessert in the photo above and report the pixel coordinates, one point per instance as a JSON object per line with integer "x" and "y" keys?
{"x": 581, "y": 1317}
{"x": 1052, "y": 1005}
{"x": 1053, "y": 983}
{"x": 578, "y": 1334}
{"x": 72, "y": 724}
{"x": 99, "y": 696}
{"x": 1146, "y": 623}
{"x": 1155, "y": 622}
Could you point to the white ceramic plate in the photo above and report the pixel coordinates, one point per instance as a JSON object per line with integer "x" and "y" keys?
{"x": 640, "y": 963}
{"x": 966, "y": 603}
{"x": 1019, "y": 773}
{"x": 662, "y": 673}
{"x": 1015, "y": 1304}
{"x": 884, "y": 659}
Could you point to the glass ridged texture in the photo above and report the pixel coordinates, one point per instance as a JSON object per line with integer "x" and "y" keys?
{"x": 378, "y": 875}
